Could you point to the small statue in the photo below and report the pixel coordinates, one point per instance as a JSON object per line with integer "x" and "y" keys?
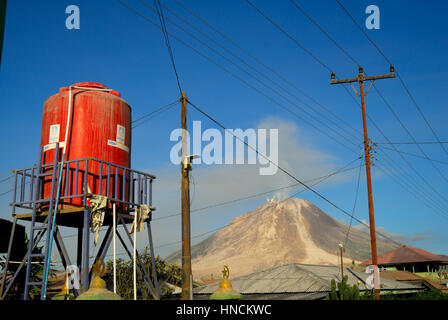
{"x": 97, "y": 290}
{"x": 225, "y": 291}
{"x": 225, "y": 272}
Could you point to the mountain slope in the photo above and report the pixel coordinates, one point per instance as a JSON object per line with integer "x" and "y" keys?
{"x": 293, "y": 230}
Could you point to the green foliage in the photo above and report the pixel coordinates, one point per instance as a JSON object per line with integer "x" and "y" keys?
{"x": 171, "y": 274}
{"x": 431, "y": 294}
{"x": 342, "y": 291}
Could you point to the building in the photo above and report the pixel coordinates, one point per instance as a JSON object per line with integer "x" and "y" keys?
{"x": 296, "y": 281}
{"x": 411, "y": 259}
{"x": 440, "y": 284}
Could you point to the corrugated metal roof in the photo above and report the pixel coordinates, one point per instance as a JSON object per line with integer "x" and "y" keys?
{"x": 300, "y": 278}
{"x": 406, "y": 254}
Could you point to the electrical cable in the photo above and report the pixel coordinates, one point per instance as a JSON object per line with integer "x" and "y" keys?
{"x": 387, "y": 104}
{"x": 224, "y": 36}
{"x": 281, "y": 168}
{"x": 7, "y": 178}
{"x": 153, "y": 114}
{"x": 321, "y": 115}
{"x": 416, "y": 155}
{"x": 354, "y": 204}
{"x": 154, "y": 111}
{"x": 244, "y": 81}
{"x": 254, "y": 58}
{"x": 398, "y": 75}
{"x": 343, "y": 169}
{"x": 167, "y": 40}
{"x": 377, "y": 90}
{"x": 426, "y": 142}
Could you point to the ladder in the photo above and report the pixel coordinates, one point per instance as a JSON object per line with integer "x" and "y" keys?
{"x": 45, "y": 226}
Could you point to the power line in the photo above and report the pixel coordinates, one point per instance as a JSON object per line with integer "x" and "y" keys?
{"x": 413, "y": 193}
{"x": 354, "y": 204}
{"x": 295, "y": 194}
{"x": 154, "y": 111}
{"x": 415, "y": 155}
{"x": 348, "y": 92}
{"x": 387, "y": 104}
{"x": 291, "y": 84}
{"x": 221, "y": 67}
{"x": 244, "y": 81}
{"x": 430, "y": 195}
{"x": 377, "y": 90}
{"x": 7, "y": 178}
{"x": 425, "y": 142}
{"x": 153, "y": 114}
{"x": 167, "y": 40}
{"x": 278, "y": 166}
{"x": 321, "y": 179}
{"x": 256, "y": 78}
{"x": 290, "y": 37}
{"x": 411, "y": 136}
{"x": 340, "y": 127}
{"x": 323, "y": 31}
{"x": 414, "y": 186}
{"x": 343, "y": 169}
{"x": 6, "y": 192}
{"x": 398, "y": 75}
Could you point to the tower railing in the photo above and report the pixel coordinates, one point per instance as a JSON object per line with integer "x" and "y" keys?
{"x": 119, "y": 184}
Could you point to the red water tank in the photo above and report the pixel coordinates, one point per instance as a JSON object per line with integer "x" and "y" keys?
{"x": 100, "y": 127}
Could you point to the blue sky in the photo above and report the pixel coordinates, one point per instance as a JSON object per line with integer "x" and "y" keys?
{"x": 123, "y": 51}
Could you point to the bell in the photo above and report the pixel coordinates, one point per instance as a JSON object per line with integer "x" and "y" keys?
{"x": 225, "y": 291}
{"x": 98, "y": 291}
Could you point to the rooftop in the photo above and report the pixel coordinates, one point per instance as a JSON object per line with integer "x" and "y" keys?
{"x": 301, "y": 281}
{"x": 406, "y": 254}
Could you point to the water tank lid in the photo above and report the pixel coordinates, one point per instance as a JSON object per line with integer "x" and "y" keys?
{"x": 90, "y": 85}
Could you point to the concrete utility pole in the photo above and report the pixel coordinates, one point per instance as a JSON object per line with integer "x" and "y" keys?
{"x": 360, "y": 79}
{"x": 187, "y": 279}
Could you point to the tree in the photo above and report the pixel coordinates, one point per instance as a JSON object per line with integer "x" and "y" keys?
{"x": 171, "y": 274}
{"x": 342, "y": 291}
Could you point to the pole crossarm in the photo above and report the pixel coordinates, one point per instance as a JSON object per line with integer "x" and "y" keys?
{"x": 361, "y": 77}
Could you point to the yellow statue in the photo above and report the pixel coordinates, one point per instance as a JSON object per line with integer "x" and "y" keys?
{"x": 225, "y": 291}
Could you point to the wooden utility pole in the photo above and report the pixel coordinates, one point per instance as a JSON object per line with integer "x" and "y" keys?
{"x": 360, "y": 79}
{"x": 187, "y": 281}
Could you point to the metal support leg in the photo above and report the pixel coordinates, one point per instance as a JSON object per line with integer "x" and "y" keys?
{"x": 142, "y": 266}
{"x": 61, "y": 248}
{"x": 11, "y": 239}
{"x": 148, "y": 280}
{"x": 79, "y": 249}
{"x": 105, "y": 244}
{"x": 153, "y": 259}
{"x": 63, "y": 253}
{"x": 85, "y": 250}
{"x": 24, "y": 260}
